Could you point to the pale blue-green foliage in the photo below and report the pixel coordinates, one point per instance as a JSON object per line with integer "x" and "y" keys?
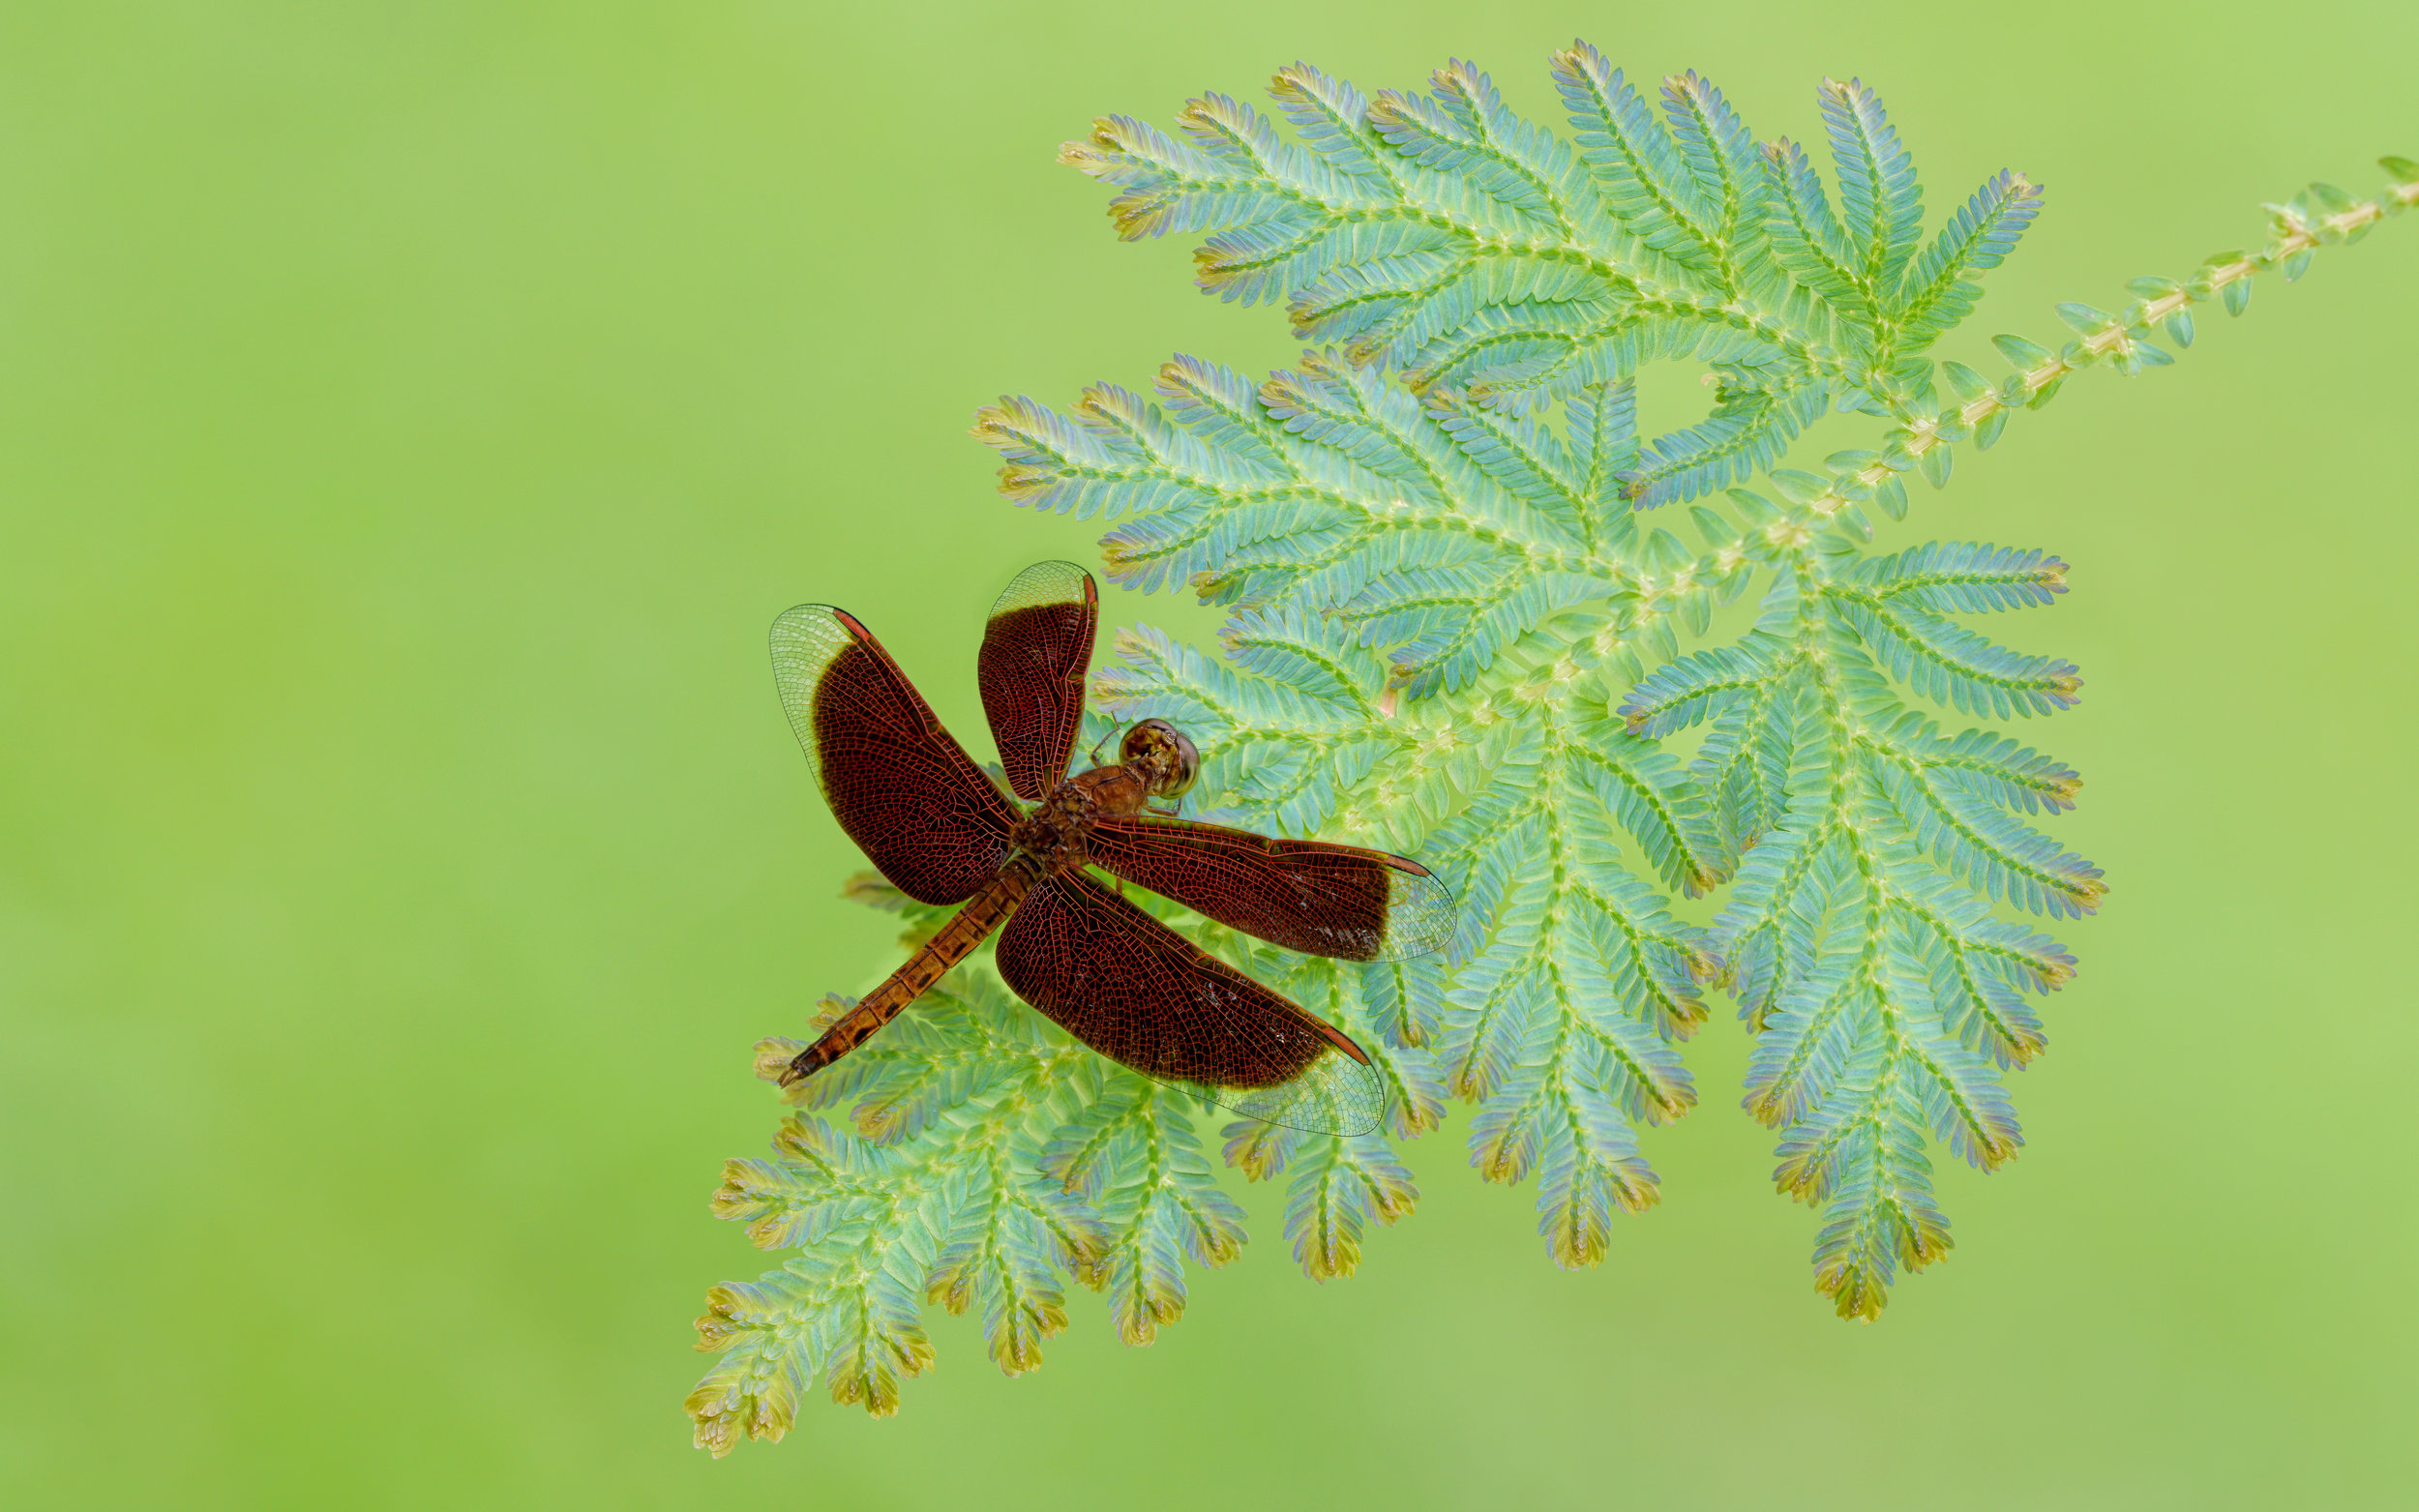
{"x": 973, "y": 1155}
{"x": 1459, "y": 630}
{"x": 1456, "y": 632}
{"x": 985, "y": 1157}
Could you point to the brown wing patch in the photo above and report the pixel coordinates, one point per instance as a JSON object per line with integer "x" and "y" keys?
{"x": 1119, "y": 980}
{"x": 1305, "y": 894}
{"x": 1035, "y": 651}
{"x": 901, "y": 787}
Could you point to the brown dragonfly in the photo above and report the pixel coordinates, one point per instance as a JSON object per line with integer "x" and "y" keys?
{"x": 1107, "y": 972}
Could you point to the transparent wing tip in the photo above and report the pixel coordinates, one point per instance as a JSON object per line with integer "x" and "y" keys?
{"x": 1047, "y": 583}
{"x": 1335, "y": 1095}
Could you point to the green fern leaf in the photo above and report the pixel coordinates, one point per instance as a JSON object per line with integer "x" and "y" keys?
{"x": 1454, "y": 634}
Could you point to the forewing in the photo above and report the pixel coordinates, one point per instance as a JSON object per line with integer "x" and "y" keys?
{"x": 1305, "y": 894}
{"x": 1123, "y": 984}
{"x": 1035, "y": 652}
{"x": 898, "y": 784}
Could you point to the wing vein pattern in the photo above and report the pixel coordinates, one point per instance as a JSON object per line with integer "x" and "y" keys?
{"x": 902, "y": 787}
{"x": 1307, "y": 895}
{"x": 1036, "y": 650}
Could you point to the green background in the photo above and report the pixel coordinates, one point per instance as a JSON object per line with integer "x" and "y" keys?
{"x": 411, "y": 416}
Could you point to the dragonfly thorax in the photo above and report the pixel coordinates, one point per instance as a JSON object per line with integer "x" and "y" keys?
{"x": 1057, "y": 832}
{"x": 1155, "y": 760}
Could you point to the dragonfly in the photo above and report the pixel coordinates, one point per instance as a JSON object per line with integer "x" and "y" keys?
{"x": 1020, "y": 862}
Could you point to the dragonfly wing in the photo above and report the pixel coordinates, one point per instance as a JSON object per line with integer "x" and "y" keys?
{"x": 899, "y": 785}
{"x": 1305, "y": 894}
{"x": 1035, "y": 652}
{"x": 1125, "y": 984}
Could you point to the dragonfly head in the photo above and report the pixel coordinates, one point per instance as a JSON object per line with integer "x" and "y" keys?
{"x": 1162, "y": 754}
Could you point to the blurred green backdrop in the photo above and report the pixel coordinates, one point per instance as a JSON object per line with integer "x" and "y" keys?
{"x": 415, "y": 414}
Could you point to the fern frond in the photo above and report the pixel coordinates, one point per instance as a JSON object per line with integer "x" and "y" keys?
{"x": 1882, "y": 995}
{"x": 1454, "y": 634}
{"x": 1507, "y": 589}
{"x": 932, "y": 1189}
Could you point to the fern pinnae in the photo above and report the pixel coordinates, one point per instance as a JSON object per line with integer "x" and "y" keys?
{"x": 1943, "y": 660}
{"x": 1218, "y": 403}
{"x": 1634, "y": 157}
{"x": 1600, "y": 420}
{"x": 1346, "y": 1182}
{"x": 1697, "y": 687}
{"x": 1993, "y": 853}
{"x": 1968, "y": 1104}
{"x": 1749, "y": 432}
{"x": 1283, "y": 645}
{"x": 1808, "y": 244}
{"x": 1461, "y": 132}
{"x": 1331, "y": 117}
{"x": 1337, "y": 408}
{"x": 1529, "y": 463}
{"x": 1659, "y": 806}
{"x": 1978, "y": 1009}
{"x": 1997, "y": 768}
{"x": 1880, "y": 201}
{"x": 1938, "y": 293}
{"x": 1804, "y": 1035}
{"x": 1722, "y": 156}
{"x": 1233, "y": 133}
{"x": 1981, "y": 967}
{"x": 1965, "y": 578}
{"x": 1367, "y": 306}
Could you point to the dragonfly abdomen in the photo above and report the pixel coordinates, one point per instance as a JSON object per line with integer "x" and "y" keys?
{"x": 955, "y": 940}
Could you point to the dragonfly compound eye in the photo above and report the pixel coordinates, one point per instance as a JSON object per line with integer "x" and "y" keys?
{"x": 1159, "y": 744}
